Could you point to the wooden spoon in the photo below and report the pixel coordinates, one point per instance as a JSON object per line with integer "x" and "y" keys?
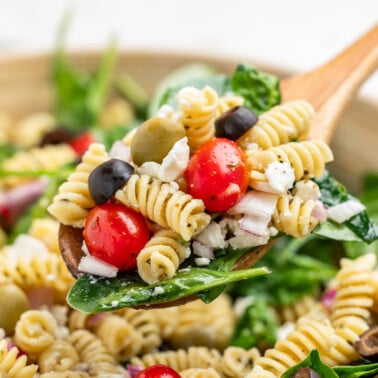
{"x": 328, "y": 88}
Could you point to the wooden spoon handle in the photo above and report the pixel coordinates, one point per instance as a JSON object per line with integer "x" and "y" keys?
{"x": 330, "y": 87}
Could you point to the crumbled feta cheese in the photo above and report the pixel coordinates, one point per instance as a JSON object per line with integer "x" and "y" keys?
{"x": 307, "y": 189}
{"x": 284, "y": 330}
{"x": 202, "y": 261}
{"x": 185, "y": 96}
{"x": 345, "y": 210}
{"x": 158, "y": 290}
{"x": 280, "y": 176}
{"x": 173, "y": 165}
{"x": 2, "y": 333}
{"x": 212, "y": 236}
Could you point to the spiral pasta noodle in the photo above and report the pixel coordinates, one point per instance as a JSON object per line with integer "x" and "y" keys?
{"x": 48, "y": 158}
{"x": 119, "y": 337}
{"x": 199, "y": 373}
{"x": 199, "y": 110}
{"x": 296, "y": 310}
{"x": 58, "y": 356}
{"x": 295, "y": 347}
{"x": 92, "y": 352}
{"x": 281, "y": 124}
{"x": 237, "y": 362}
{"x": 181, "y": 359}
{"x": 307, "y": 158}
{"x": 164, "y": 204}
{"x": 35, "y": 331}
{"x": 46, "y": 230}
{"x": 145, "y": 324}
{"x": 293, "y": 216}
{"x": 204, "y": 324}
{"x": 229, "y": 101}
{"x": 166, "y": 319}
{"x": 36, "y": 268}
{"x": 65, "y": 374}
{"x": 73, "y": 201}
{"x": 13, "y": 365}
{"x": 161, "y": 256}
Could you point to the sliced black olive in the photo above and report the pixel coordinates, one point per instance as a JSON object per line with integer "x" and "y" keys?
{"x": 56, "y": 136}
{"x": 235, "y": 122}
{"x": 107, "y": 178}
{"x": 367, "y": 345}
{"x": 305, "y": 372}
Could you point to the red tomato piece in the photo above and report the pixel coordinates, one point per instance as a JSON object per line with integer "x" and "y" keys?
{"x": 115, "y": 234}
{"x": 81, "y": 142}
{"x": 158, "y": 371}
{"x": 218, "y": 174}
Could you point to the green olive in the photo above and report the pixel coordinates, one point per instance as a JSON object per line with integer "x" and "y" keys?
{"x": 154, "y": 138}
{"x": 13, "y": 302}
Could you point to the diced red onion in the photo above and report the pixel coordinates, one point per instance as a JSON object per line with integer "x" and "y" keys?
{"x": 134, "y": 370}
{"x": 94, "y": 320}
{"x": 256, "y": 203}
{"x": 202, "y": 250}
{"x": 328, "y": 298}
{"x": 254, "y": 224}
{"x": 320, "y": 212}
{"x": 92, "y": 265}
{"x": 120, "y": 151}
{"x": 11, "y": 345}
{"x": 345, "y": 210}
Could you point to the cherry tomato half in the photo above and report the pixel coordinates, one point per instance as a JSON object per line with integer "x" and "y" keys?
{"x": 158, "y": 371}
{"x": 115, "y": 234}
{"x": 81, "y": 142}
{"x": 217, "y": 173}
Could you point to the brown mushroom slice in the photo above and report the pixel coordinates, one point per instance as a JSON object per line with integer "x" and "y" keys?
{"x": 305, "y": 372}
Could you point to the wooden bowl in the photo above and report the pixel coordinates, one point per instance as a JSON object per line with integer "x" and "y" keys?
{"x": 25, "y": 88}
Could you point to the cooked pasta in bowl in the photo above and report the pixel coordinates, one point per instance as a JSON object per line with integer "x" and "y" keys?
{"x": 88, "y": 139}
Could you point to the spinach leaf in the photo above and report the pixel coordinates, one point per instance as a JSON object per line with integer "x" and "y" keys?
{"x": 79, "y": 97}
{"x": 369, "y": 370}
{"x": 93, "y": 294}
{"x": 257, "y": 326}
{"x": 333, "y": 193}
{"x": 313, "y": 362}
{"x": 260, "y": 90}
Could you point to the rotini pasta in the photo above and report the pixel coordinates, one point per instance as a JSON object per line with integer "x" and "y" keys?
{"x": 199, "y": 110}
{"x": 59, "y": 356}
{"x": 199, "y": 373}
{"x": 281, "y": 124}
{"x": 229, "y": 101}
{"x": 164, "y": 204}
{"x": 35, "y": 331}
{"x": 161, "y": 256}
{"x": 65, "y": 374}
{"x": 46, "y": 230}
{"x": 294, "y": 216}
{"x": 237, "y": 362}
{"x": 93, "y": 353}
{"x": 71, "y": 204}
{"x": 181, "y": 359}
{"x": 14, "y": 365}
{"x": 298, "y": 309}
{"x": 307, "y": 158}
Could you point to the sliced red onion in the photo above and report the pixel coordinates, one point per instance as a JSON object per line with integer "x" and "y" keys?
{"x": 256, "y": 203}
{"x": 134, "y": 370}
{"x": 328, "y": 298}
{"x": 15, "y": 201}
{"x": 202, "y": 250}
{"x": 345, "y": 210}
{"x": 92, "y": 265}
{"x": 11, "y": 345}
{"x": 120, "y": 151}
{"x": 320, "y": 212}
{"x": 94, "y": 320}
{"x": 254, "y": 224}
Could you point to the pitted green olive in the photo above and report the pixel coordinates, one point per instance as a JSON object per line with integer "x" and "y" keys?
{"x": 154, "y": 138}
{"x": 13, "y": 302}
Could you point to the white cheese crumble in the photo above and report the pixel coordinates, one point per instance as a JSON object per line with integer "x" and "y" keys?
{"x": 202, "y": 261}
{"x": 92, "y": 265}
{"x": 212, "y": 236}
{"x": 283, "y": 331}
{"x": 158, "y": 290}
{"x": 345, "y": 210}
{"x": 307, "y": 189}
{"x": 173, "y": 165}
{"x": 280, "y": 176}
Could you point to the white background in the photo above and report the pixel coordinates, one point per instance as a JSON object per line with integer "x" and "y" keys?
{"x": 293, "y": 34}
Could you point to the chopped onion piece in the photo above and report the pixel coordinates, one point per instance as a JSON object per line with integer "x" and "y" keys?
{"x": 120, "y": 151}
{"x": 202, "y": 250}
{"x": 320, "y": 212}
{"x": 133, "y": 370}
{"x": 92, "y": 265}
{"x": 345, "y": 210}
{"x": 254, "y": 224}
{"x": 256, "y": 203}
